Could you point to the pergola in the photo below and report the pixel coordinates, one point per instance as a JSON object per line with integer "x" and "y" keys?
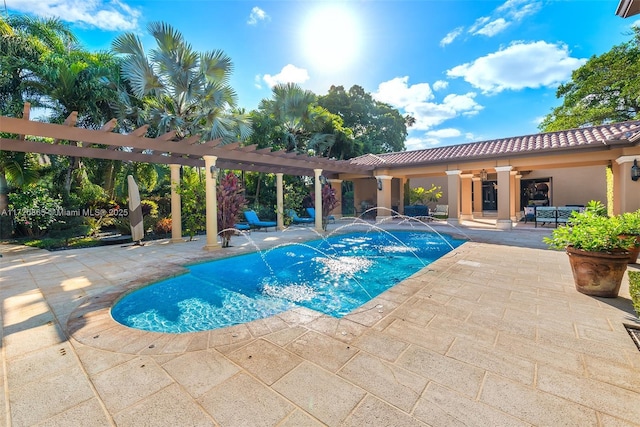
{"x": 165, "y": 149}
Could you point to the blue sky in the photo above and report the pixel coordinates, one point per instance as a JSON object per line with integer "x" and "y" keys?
{"x": 467, "y": 70}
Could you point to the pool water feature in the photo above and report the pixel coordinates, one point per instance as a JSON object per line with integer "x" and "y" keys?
{"x": 334, "y": 276}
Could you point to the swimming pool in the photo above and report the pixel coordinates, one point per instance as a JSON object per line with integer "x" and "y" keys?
{"x": 333, "y": 276}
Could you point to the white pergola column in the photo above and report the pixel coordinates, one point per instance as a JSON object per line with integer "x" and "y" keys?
{"x": 336, "y": 184}
{"x": 317, "y": 190}
{"x": 504, "y": 197}
{"x": 453, "y": 196}
{"x": 176, "y": 205}
{"x": 279, "y": 202}
{"x": 211, "y": 203}
{"x": 383, "y": 199}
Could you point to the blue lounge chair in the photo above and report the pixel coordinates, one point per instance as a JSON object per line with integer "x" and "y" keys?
{"x": 298, "y": 220}
{"x": 254, "y": 221}
{"x": 312, "y": 214}
{"x": 242, "y": 227}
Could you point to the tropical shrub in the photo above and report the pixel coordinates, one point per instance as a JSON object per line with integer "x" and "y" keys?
{"x": 231, "y": 201}
{"x": 163, "y": 226}
{"x": 420, "y": 196}
{"x": 34, "y": 210}
{"x": 634, "y": 290}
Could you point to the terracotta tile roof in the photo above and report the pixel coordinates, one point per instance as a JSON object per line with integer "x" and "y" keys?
{"x": 604, "y": 135}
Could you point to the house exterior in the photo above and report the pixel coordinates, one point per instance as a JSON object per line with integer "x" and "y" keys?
{"x": 498, "y": 178}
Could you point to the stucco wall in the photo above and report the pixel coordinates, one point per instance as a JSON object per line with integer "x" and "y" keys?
{"x": 574, "y": 186}
{"x": 570, "y": 186}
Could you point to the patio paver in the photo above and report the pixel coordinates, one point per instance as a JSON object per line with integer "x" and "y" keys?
{"x": 492, "y": 333}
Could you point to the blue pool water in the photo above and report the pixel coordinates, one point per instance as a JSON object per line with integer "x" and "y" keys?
{"x": 333, "y": 276}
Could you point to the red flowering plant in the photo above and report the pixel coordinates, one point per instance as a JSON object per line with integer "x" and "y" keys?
{"x": 231, "y": 201}
{"x": 329, "y": 203}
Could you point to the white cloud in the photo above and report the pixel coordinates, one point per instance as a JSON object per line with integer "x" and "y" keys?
{"x": 440, "y": 85}
{"x": 288, "y": 74}
{"x": 417, "y": 100}
{"x": 113, "y": 15}
{"x": 430, "y": 114}
{"x": 257, "y": 15}
{"x": 493, "y": 27}
{"x": 444, "y": 133}
{"x": 505, "y": 15}
{"x": 449, "y": 38}
{"x": 415, "y": 143}
{"x": 398, "y": 93}
{"x": 519, "y": 66}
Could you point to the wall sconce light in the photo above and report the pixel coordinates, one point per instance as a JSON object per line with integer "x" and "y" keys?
{"x": 322, "y": 179}
{"x": 379, "y": 180}
{"x": 635, "y": 171}
{"x": 214, "y": 171}
{"x": 483, "y": 175}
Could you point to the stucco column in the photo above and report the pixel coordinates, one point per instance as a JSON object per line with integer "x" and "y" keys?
{"x": 176, "y": 206}
{"x": 513, "y": 208}
{"x": 383, "y": 199}
{"x": 403, "y": 182}
{"x": 477, "y": 196}
{"x": 336, "y": 184}
{"x": 317, "y": 190}
{"x": 211, "y": 204}
{"x": 279, "y": 202}
{"x": 504, "y": 197}
{"x": 466, "y": 203}
{"x": 626, "y": 191}
{"x": 453, "y": 196}
{"x": 518, "y": 193}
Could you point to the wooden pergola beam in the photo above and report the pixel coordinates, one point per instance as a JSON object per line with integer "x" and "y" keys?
{"x": 135, "y": 143}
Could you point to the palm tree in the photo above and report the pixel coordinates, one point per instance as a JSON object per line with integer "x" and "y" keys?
{"x": 24, "y": 43}
{"x": 182, "y": 90}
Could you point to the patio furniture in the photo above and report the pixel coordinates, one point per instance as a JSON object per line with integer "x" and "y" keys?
{"x": 242, "y": 227}
{"x": 441, "y": 212}
{"x": 416, "y": 211}
{"x": 255, "y": 222}
{"x": 555, "y": 214}
{"x": 529, "y": 213}
{"x": 299, "y": 220}
{"x": 312, "y": 214}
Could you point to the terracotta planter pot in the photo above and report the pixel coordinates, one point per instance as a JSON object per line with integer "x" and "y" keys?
{"x": 597, "y": 273}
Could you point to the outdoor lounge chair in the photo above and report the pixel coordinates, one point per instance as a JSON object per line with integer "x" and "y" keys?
{"x": 312, "y": 214}
{"x": 242, "y": 227}
{"x": 441, "y": 212}
{"x": 298, "y": 220}
{"x": 254, "y": 221}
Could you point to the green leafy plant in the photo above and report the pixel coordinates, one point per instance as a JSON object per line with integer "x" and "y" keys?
{"x": 630, "y": 223}
{"x": 634, "y": 290}
{"x": 420, "y": 196}
{"x": 590, "y": 231}
{"x": 34, "y": 210}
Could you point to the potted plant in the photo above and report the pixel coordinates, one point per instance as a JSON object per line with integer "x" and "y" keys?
{"x": 630, "y": 222}
{"x": 597, "y": 251}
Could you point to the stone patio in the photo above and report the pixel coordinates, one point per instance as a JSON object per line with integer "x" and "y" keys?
{"x": 492, "y": 334}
